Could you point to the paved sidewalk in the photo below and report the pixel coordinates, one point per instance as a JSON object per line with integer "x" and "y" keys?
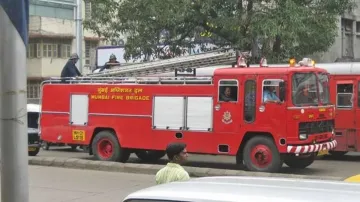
{"x": 62, "y": 184}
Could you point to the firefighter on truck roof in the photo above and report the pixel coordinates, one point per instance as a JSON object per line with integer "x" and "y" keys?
{"x": 70, "y": 69}
{"x": 112, "y": 62}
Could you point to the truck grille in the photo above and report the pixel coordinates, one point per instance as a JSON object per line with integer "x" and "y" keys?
{"x": 316, "y": 127}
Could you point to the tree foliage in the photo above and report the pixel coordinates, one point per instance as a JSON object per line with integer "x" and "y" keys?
{"x": 281, "y": 28}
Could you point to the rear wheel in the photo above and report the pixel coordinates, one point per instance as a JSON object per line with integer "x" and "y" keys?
{"x": 299, "y": 162}
{"x": 73, "y": 147}
{"x": 261, "y": 154}
{"x": 150, "y": 156}
{"x": 45, "y": 145}
{"x": 106, "y": 147}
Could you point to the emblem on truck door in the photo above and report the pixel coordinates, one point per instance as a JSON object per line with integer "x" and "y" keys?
{"x": 227, "y": 117}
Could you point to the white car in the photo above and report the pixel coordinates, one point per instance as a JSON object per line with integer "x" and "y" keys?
{"x": 33, "y": 111}
{"x": 249, "y": 189}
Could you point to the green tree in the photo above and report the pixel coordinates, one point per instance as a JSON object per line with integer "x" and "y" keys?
{"x": 282, "y": 27}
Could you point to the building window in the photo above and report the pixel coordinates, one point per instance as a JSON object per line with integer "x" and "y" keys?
{"x": 53, "y": 48}
{"x": 50, "y": 50}
{"x": 33, "y": 89}
{"x": 90, "y": 52}
{"x": 33, "y": 49}
{"x": 65, "y": 50}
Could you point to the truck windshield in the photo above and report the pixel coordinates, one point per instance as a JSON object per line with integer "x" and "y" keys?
{"x": 324, "y": 88}
{"x": 304, "y": 89}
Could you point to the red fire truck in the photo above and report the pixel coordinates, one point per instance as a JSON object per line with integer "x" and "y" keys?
{"x": 257, "y": 115}
{"x": 345, "y": 88}
{"x": 345, "y": 94}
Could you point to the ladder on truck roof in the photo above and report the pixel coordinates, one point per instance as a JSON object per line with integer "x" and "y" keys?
{"x": 130, "y": 80}
{"x": 163, "y": 66}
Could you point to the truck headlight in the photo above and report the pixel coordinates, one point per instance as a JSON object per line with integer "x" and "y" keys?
{"x": 303, "y": 136}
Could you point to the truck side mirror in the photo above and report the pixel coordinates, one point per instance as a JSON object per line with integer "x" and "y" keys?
{"x": 282, "y": 91}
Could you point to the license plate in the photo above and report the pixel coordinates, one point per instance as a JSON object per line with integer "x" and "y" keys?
{"x": 78, "y": 135}
{"x": 31, "y": 148}
{"x": 323, "y": 152}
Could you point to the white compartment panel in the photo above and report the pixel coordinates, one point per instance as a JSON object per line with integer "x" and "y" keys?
{"x": 199, "y": 113}
{"x": 79, "y": 109}
{"x": 168, "y": 112}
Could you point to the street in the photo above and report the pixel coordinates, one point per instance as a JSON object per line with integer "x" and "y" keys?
{"x": 325, "y": 167}
{"x": 62, "y": 184}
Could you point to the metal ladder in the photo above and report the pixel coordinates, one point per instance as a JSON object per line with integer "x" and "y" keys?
{"x": 162, "y": 66}
{"x": 130, "y": 80}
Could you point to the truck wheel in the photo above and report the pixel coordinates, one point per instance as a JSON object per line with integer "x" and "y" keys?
{"x": 261, "y": 155}
{"x": 73, "y": 147}
{"x": 45, "y": 145}
{"x": 338, "y": 154}
{"x": 106, "y": 147}
{"x": 299, "y": 162}
{"x": 150, "y": 156}
{"x": 34, "y": 153}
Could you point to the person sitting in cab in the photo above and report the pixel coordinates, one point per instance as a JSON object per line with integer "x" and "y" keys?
{"x": 269, "y": 95}
{"x": 226, "y": 95}
{"x": 112, "y": 62}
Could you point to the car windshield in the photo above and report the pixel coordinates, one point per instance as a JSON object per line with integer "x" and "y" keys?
{"x": 33, "y": 119}
{"x": 324, "y": 88}
{"x": 304, "y": 89}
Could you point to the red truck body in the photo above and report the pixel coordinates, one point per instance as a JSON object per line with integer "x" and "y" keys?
{"x": 117, "y": 117}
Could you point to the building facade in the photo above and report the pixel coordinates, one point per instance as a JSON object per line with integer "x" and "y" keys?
{"x": 52, "y": 40}
{"x": 347, "y": 43}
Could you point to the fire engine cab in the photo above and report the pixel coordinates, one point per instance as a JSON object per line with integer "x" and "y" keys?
{"x": 263, "y": 116}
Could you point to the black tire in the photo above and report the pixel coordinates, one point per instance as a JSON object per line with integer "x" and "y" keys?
{"x": 338, "y": 154}
{"x": 149, "y": 156}
{"x": 273, "y": 166}
{"x": 299, "y": 162}
{"x": 34, "y": 153}
{"x": 45, "y": 145}
{"x": 73, "y": 147}
{"x": 117, "y": 153}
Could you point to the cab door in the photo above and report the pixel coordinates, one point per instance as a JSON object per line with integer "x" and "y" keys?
{"x": 270, "y": 114}
{"x": 345, "y": 122}
{"x": 227, "y": 115}
{"x": 249, "y": 99}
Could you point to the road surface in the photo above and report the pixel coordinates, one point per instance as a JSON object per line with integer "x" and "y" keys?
{"x": 72, "y": 185}
{"x": 329, "y": 167}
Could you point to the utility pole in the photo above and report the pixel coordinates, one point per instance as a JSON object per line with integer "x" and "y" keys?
{"x": 79, "y": 35}
{"x": 77, "y": 5}
{"x": 14, "y": 20}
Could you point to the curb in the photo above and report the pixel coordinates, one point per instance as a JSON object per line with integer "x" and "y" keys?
{"x": 152, "y": 168}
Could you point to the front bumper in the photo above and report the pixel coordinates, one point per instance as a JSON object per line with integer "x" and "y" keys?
{"x": 37, "y": 145}
{"x": 305, "y": 149}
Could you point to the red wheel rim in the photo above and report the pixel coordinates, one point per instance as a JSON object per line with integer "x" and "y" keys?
{"x": 105, "y": 148}
{"x": 261, "y": 156}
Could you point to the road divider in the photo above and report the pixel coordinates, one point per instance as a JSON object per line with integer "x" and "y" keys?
{"x": 153, "y": 168}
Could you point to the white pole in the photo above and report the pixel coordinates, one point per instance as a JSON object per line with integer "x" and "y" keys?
{"x": 79, "y": 35}
{"x": 13, "y": 112}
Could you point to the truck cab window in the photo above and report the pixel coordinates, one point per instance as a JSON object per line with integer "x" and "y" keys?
{"x": 270, "y": 90}
{"x": 228, "y": 90}
{"x": 344, "y": 96}
{"x": 250, "y": 101}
